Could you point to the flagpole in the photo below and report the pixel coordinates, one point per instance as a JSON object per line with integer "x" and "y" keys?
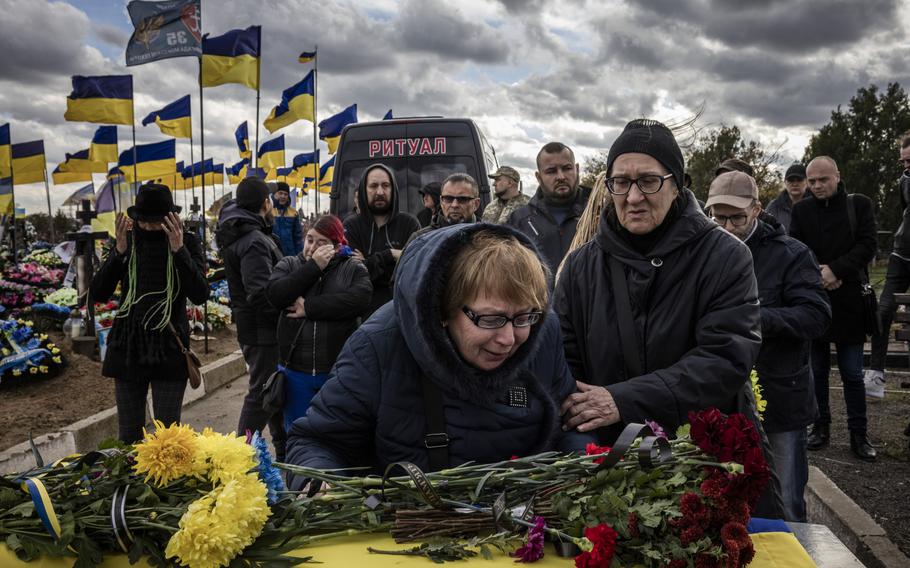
{"x": 50, "y": 215}
{"x": 133, "y": 122}
{"x": 205, "y": 306}
{"x": 192, "y": 161}
{"x": 315, "y": 137}
{"x": 12, "y": 181}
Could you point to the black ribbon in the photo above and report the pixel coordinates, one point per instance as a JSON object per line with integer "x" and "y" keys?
{"x": 427, "y": 491}
{"x": 118, "y": 518}
{"x": 652, "y": 451}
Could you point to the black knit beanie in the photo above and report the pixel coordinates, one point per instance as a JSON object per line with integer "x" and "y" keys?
{"x": 654, "y": 139}
{"x": 251, "y": 192}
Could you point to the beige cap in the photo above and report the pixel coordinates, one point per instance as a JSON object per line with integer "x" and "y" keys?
{"x": 506, "y": 171}
{"x": 736, "y": 189}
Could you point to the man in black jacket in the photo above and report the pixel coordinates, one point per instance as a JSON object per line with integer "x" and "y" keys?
{"x": 552, "y": 214}
{"x": 896, "y": 281}
{"x": 781, "y": 207}
{"x": 843, "y": 247}
{"x": 458, "y": 202}
{"x": 250, "y": 251}
{"x": 794, "y": 311}
{"x": 379, "y": 231}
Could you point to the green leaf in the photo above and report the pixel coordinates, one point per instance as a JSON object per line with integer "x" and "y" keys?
{"x": 683, "y": 431}
{"x": 574, "y": 513}
{"x": 485, "y": 552}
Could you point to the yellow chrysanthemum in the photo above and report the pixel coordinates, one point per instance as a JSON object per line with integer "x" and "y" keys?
{"x": 16, "y": 372}
{"x": 222, "y": 457}
{"x": 166, "y": 454}
{"x": 57, "y": 360}
{"x": 760, "y": 402}
{"x": 33, "y": 370}
{"x": 220, "y": 525}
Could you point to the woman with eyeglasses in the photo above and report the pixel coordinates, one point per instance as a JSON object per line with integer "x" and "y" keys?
{"x": 465, "y": 364}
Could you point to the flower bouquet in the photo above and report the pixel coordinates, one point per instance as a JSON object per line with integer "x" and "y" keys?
{"x": 220, "y": 292}
{"x": 66, "y": 297}
{"x": 207, "y": 500}
{"x": 25, "y": 353}
{"x": 35, "y": 274}
{"x": 45, "y": 257}
{"x": 15, "y": 295}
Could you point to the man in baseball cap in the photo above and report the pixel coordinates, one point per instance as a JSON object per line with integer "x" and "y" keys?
{"x": 506, "y": 186}
{"x": 781, "y": 208}
{"x": 733, "y": 203}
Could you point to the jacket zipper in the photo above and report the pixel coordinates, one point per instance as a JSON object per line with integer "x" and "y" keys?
{"x": 314, "y": 337}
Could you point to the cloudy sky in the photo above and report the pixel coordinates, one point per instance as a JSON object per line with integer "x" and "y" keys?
{"x": 527, "y": 71}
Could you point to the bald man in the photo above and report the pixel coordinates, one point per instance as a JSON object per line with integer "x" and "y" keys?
{"x": 840, "y": 230}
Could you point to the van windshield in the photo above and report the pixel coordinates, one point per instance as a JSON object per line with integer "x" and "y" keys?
{"x": 411, "y": 174}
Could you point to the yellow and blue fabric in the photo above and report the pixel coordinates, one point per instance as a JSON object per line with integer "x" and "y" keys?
{"x": 104, "y": 206}
{"x": 296, "y": 104}
{"x": 388, "y": 115}
{"x": 217, "y": 174}
{"x": 232, "y": 58}
{"x": 152, "y": 161}
{"x": 326, "y": 173}
{"x": 106, "y": 99}
{"x": 104, "y": 145}
{"x": 81, "y": 162}
{"x": 114, "y": 173}
{"x": 288, "y": 175}
{"x": 175, "y": 182}
{"x": 307, "y": 56}
{"x": 330, "y": 128}
{"x": 174, "y": 119}
{"x": 61, "y": 176}
{"x": 271, "y": 154}
{"x": 306, "y": 163}
{"x": 256, "y": 172}
{"x": 29, "y": 164}
{"x": 238, "y": 171}
{"x": 242, "y": 136}
{"x": 6, "y": 152}
{"x": 198, "y": 173}
{"x": 6, "y": 196}
{"x": 776, "y": 545}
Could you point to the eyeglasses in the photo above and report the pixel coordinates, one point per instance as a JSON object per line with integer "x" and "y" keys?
{"x": 736, "y": 220}
{"x": 496, "y": 321}
{"x": 646, "y": 184}
{"x": 461, "y": 199}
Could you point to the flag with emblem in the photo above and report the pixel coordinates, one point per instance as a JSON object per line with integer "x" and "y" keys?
{"x": 162, "y": 30}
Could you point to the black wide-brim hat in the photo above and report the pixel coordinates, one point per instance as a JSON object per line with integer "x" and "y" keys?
{"x": 153, "y": 202}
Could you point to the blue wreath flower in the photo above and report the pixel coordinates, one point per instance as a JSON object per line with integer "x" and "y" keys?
{"x": 268, "y": 473}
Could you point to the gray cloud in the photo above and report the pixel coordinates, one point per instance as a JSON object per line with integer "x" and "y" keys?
{"x": 110, "y": 34}
{"x": 440, "y": 28}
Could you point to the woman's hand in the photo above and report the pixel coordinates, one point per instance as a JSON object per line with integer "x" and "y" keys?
{"x": 124, "y": 226}
{"x": 591, "y": 408}
{"x": 297, "y": 309}
{"x": 174, "y": 230}
{"x": 323, "y": 255}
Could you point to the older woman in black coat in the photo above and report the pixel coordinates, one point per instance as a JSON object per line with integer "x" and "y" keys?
{"x": 158, "y": 266}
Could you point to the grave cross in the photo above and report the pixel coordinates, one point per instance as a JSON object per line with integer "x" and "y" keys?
{"x": 84, "y": 259}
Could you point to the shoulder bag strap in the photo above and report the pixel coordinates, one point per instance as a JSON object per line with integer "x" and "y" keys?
{"x": 286, "y": 360}
{"x": 435, "y": 439}
{"x": 176, "y": 335}
{"x": 628, "y": 336}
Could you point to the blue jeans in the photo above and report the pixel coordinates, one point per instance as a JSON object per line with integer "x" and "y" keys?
{"x": 850, "y": 362}
{"x": 791, "y": 463}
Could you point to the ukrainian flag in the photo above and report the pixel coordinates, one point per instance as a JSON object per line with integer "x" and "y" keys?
{"x": 104, "y": 145}
{"x": 6, "y": 196}
{"x": 6, "y": 152}
{"x": 271, "y": 154}
{"x": 152, "y": 161}
{"x": 177, "y": 177}
{"x": 198, "y": 173}
{"x": 217, "y": 174}
{"x": 238, "y": 171}
{"x": 326, "y": 173}
{"x": 242, "y": 135}
{"x": 29, "y": 164}
{"x": 296, "y": 104}
{"x": 81, "y": 163}
{"x": 307, "y": 56}
{"x": 174, "y": 119}
{"x": 305, "y": 164}
{"x": 330, "y": 128}
{"x": 388, "y": 115}
{"x": 114, "y": 173}
{"x": 289, "y": 176}
{"x": 232, "y": 58}
{"x": 256, "y": 172}
{"x": 107, "y": 99}
{"x": 63, "y": 176}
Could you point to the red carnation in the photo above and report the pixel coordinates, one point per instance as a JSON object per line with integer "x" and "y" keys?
{"x": 593, "y": 449}
{"x": 603, "y": 539}
{"x": 706, "y": 561}
{"x": 737, "y": 545}
{"x": 691, "y": 534}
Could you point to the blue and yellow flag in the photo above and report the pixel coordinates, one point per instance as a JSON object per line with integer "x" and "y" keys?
{"x": 29, "y": 164}
{"x": 296, "y": 104}
{"x": 6, "y": 152}
{"x": 61, "y": 176}
{"x": 242, "y": 136}
{"x": 84, "y": 192}
{"x": 104, "y": 145}
{"x": 307, "y": 56}
{"x": 271, "y": 154}
{"x": 7, "y": 207}
{"x": 114, "y": 173}
{"x": 238, "y": 171}
{"x": 106, "y": 99}
{"x": 164, "y": 30}
{"x": 153, "y": 161}
{"x": 330, "y": 128}
{"x": 232, "y": 58}
{"x": 326, "y": 173}
{"x": 256, "y": 173}
{"x": 175, "y": 181}
{"x": 174, "y": 119}
{"x": 80, "y": 162}
{"x": 305, "y": 164}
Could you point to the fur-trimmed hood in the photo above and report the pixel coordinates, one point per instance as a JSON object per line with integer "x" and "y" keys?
{"x": 419, "y": 286}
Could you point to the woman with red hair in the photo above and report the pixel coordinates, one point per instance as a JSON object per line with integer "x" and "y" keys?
{"x": 323, "y": 291}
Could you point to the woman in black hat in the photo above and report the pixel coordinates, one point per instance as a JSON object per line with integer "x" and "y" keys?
{"x": 158, "y": 266}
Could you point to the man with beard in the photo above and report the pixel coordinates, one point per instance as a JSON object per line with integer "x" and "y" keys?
{"x": 509, "y": 197}
{"x": 551, "y": 216}
{"x": 379, "y": 231}
{"x": 459, "y": 200}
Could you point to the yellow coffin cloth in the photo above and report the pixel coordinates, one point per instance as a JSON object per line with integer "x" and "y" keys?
{"x": 772, "y": 550}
